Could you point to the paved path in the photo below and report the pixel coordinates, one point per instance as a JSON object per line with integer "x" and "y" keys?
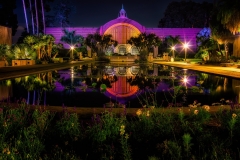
{"x": 225, "y": 71}
{"x": 13, "y": 71}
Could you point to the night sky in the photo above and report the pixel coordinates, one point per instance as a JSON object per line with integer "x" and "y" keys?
{"x": 95, "y": 13}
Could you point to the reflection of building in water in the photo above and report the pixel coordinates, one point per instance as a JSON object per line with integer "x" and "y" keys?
{"x": 5, "y": 92}
{"x": 122, "y": 88}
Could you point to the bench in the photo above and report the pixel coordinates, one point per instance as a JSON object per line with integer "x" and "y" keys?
{"x": 226, "y": 64}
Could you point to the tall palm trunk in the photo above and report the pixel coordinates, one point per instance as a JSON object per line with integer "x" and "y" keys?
{"x": 226, "y": 49}
{"x": 43, "y": 17}
{"x": 33, "y": 24}
{"x": 36, "y": 10}
{"x": 25, "y": 15}
{"x": 39, "y": 53}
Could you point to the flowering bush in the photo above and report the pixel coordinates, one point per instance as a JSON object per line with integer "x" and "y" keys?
{"x": 170, "y": 133}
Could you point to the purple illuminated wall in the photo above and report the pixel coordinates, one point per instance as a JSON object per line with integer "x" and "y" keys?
{"x": 58, "y": 33}
{"x": 186, "y": 34}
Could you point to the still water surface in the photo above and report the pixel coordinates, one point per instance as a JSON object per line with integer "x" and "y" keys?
{"x": 96, "y": 85}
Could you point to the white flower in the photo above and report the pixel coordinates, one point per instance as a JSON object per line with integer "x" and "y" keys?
{"x": 234, "y": 116}
{"x": 147, "y": 114}
{"x": 139, "y": 112}
{"x": 192, "y": 106}
{"x": 196, "y": 112}
{"x": 122, "y": 130}
{"x": 206, "y": 107}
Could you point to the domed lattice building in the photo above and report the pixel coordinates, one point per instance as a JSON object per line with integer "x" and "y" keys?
{"x": 122, "y": 28}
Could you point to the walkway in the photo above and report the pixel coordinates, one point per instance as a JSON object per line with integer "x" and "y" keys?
{"x": 13, "y": 71}
{"x": 225, "y": 71}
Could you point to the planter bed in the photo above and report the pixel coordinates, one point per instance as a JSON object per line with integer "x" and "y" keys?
{"x": 32, "y": 132}
{"x": 226, "y": 64}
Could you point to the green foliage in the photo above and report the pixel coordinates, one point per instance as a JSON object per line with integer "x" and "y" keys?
{"x": 68, "y": 126}
{"x": 186, "y": 143}
{"x": 165, "y": 134}
{"x": 172, "y": 149}
{"x": 105, "y": 127}
{"x": 144, "y": 42}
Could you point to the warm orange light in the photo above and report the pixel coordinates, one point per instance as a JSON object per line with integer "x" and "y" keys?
{"x": 185, "y": 80}
{"x": 173, "y": 48}
{"x": 185, "y": 45}
{"x": 72, "y": 47}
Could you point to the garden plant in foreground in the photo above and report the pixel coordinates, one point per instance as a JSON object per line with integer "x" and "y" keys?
{"x": 31, "y": 132}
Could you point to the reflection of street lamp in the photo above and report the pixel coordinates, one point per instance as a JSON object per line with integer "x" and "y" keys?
{"x": 185, "y": 46}
{"x": 185, "y": 81}
{"x": 72, "y": 48}
{"x": 173, "y": 49}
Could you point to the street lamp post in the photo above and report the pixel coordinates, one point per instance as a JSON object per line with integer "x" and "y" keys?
{"x": 173, "y": 49}
{"x": 185, "y": 46}
{"x": 72, "y": 48}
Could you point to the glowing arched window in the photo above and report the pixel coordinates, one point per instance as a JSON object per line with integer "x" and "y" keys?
{"x": 122, "y": 49}
{"x": 134, "y": 50}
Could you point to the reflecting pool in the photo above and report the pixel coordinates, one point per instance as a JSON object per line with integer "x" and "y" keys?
{"x": 119, "y": 85}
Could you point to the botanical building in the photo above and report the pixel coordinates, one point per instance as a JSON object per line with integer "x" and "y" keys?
{"x": 122, "y": 28}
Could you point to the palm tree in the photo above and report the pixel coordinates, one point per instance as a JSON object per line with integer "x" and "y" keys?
{"x": 30, "y": 40}
{"x": 152, "y": 41}
{"x": 4, "y": 50}
{"x": 43, "y": 17}
{"x": 49, "y": 39}
{"x": 219, "y": 32}
{"x": 144, "y": 43}
{"x": 72, "y": 39}
{"x": 5, "y": 53}
{"x": 23, "y": 51}
{"x": 38, "y": 46}
{"x": 172, "y": 42}
{"x": 105, "y": 41}
{"x": 138, "y": 41}
{"x": 31, "y": 10}
{"x": 55, "y": 49}
{"x": 92, "y": 40}
{"x": 229, "y": 15}
{"x": 36, "y": 10}
{"x": 25, "y": 15}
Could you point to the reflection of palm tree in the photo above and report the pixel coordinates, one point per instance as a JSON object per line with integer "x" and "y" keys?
{"x": 143, "y": 81}
{"x": 38, "y": 83}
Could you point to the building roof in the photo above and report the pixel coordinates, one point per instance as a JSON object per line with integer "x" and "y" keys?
{"x": 122, "y": 19}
